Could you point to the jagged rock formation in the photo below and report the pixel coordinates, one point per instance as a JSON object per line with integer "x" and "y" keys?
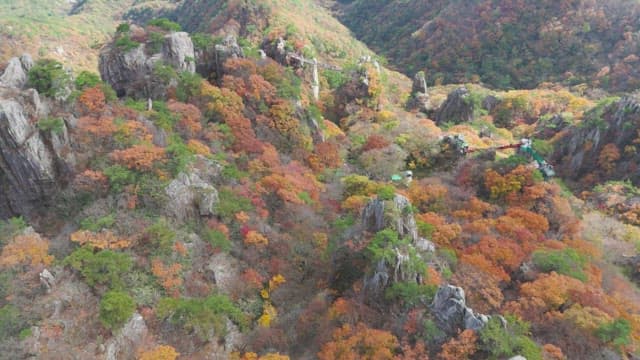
{"x": 419, "y": 96}
{"x": 604, "y": 145}
{"x": 456, "y": 109}
{"x": 450, "y": 310}
{"x": 229, "y": 49}
{"x": 31, "y": 160}
{"x": 190, "y": 194}
{"x": 396, "y": 214}
{"x": 177, "y": 51}
{"x": 127, "y": 341}
{"x": 131, "y": 72}
{"x": 15, "y": 75}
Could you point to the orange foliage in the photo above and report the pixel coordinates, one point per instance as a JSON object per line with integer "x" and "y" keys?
{"x": 507, "y": 187}
{"x": 138, "y": 157}
{"x": 433, "y": 276}
{"x": 226, "y": 105}
{"x": 326, "y": 155}
{"x": 481, "y": 262}
{"x": 444, "y": 233}
{"x": 474, "y": 209}
{"x": 482, "y": 289}
{"x": 27, "y": 249}
{"x": 289, "y": 182}
{"x": 359, "y": 342}
{"x": 429, "y": 197}
{"x": 354, "y": 203}
{"x": 102, "y": 240}
{"x": 552, "y": 352}
{"x": 162, "y": 352}
{"x": 92, "y": 99}
{"x": 375, "y": 141}
{"x": 102, "y": 126}
{"x": 608, "y": 157}
{"x": 459, "y": 348}
{"x": 189, "y": 124}
{"x": 255, "y": 238}
{"x": 169, "y": 276}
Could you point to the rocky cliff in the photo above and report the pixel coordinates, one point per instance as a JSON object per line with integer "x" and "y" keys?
{"x": 31, "y": 159}
{"x": 136, "y": 70}
{"x": 604, "y": 146}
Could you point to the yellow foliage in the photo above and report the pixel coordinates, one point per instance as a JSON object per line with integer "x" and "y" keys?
{"x": 162, "y": 352}
{"x": 276, "y": 281}
{"x": 198, "y": 147}
{"x": 264, "y": 293}
{"x": 254, "y": 356}
{"x": 102, "y": 240}
{"x": 269, "y": 313}
{"x": 27, "y": 249}
{"x": 586, "y": 318}
{"x": 331, "y": 129}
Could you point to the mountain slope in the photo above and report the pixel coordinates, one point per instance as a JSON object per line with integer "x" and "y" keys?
{"x": 504, "y": 43}
{"x": 70, "y": 31}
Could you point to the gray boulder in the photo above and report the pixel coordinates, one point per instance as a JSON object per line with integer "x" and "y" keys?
{"x": 457, "y": 109}
{"x": 450, "y": 310}
{"x": 397, "y": 214}
{"x": 125, "y": 344}
{"x": 177, "y": 51}
{"x": 131, "y": 73}
{"x": 15, "y": 74}
{"x": 191, "y": 193}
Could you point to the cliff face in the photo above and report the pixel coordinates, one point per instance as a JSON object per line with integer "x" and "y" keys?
{"x": 30, "y": 158}
{"x": 134, "y": 72}
{"x": 604, "y": 146}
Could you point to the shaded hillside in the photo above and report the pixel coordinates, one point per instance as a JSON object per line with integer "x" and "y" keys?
{"x": 506, "y": 43}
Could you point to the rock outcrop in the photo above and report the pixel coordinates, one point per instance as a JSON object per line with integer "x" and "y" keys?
{"x": 419, "y": 96}
{"x": 131, "y": 72}
{"x": 15, "y": 74}
{"x": 457, "y": 109}
{"x": 191, "y": 194}
{"x": 30, "y": 159}
{"x": 177, "y": 51}
{"x": 126, "y": 343}
{"x": 450, "y": 310}
{"x": 396, "y": 214}
{"x": 604, "y": 146}
{"x": 210, "y": 61}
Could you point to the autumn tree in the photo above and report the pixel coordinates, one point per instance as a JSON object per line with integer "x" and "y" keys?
{"x": 101, "y": 240}
{"x": 168, "y": 276}
{"x": 161, "y": 352}
{"x": 608, "y": 157}
{"x": 359, "y": 342}
{"x": 27, "y": 249}
{"x": 459, "y": 348}
{"x": 139, "y": 157}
